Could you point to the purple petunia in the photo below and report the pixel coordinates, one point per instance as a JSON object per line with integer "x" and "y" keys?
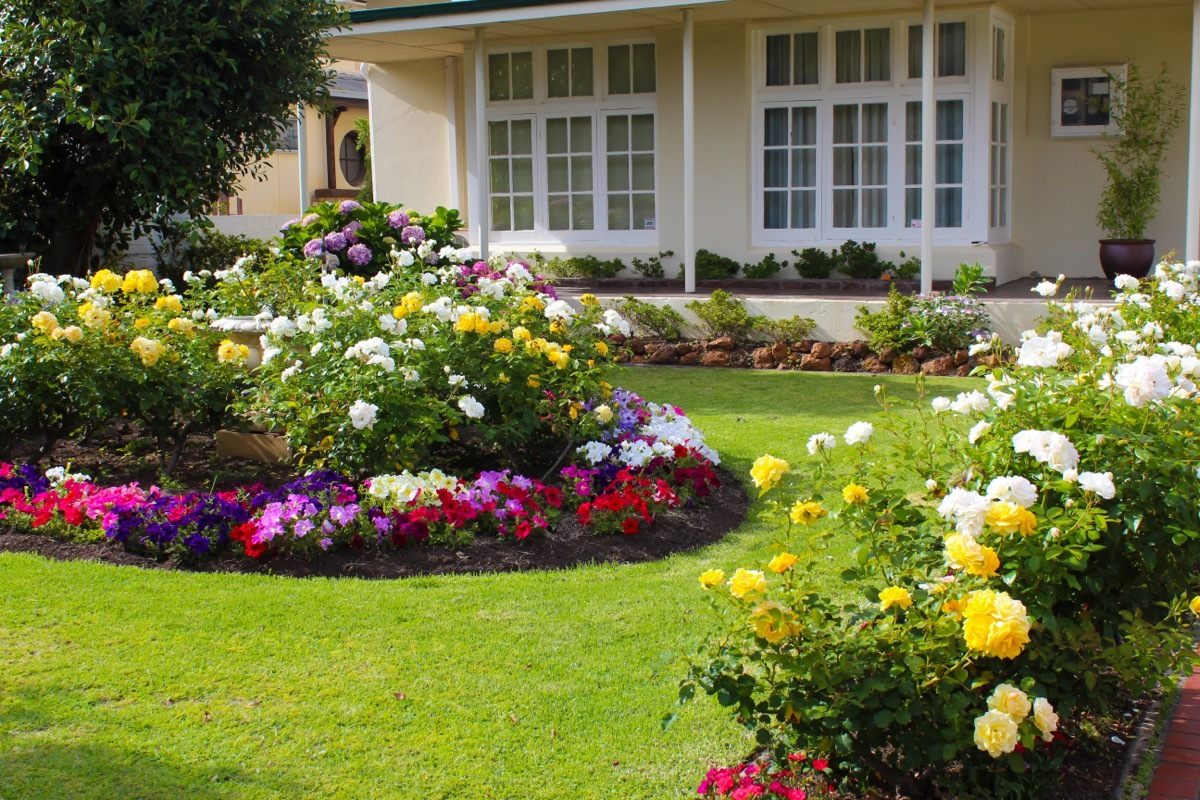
{"x": 335, "y": 241}
{"x": 315, "y": 248}
{"x": 351, "y": 231}
{"x": 359, "y": 254}
{"x": 397, "y": 219}
{"x": 349, "y": 206}
{"x": 412, "y": 234}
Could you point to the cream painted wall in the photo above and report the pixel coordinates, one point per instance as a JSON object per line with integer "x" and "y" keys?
{"x": 409, "y": 133}
{"x": 1058, "y": 181}
{"x": 279, "y": 193}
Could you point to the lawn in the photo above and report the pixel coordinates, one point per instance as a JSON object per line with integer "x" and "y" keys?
{"x": 117, "y": 682}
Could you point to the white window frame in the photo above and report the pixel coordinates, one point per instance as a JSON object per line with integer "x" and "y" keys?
{"x": 601, "y": 104}
{"x": 1000, "y": 92}
{"x": 896, "y": 93}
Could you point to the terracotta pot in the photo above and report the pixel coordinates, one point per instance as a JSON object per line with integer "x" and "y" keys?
{"x": 1126, "y": 257}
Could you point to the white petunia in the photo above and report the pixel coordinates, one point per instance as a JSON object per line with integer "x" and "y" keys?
{"x": 594, "y": 452}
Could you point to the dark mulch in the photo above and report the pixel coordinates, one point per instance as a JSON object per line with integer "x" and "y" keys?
{"x": 118, "y": 456}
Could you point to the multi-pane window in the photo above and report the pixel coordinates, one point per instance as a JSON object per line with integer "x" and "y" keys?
{"x": 569, "y": 173}
{"x": 998, "y": 180}
{"x": 860, "y": 159}
{"x": 510, "y": 174}
{"x": 630, "y": 172}
{"x": 569, "y": 72}
{"x": 510, "y": 76}
{"x": 571, "y": 151}
{"x": 631, "y": 69}
{"x": 999, "y": 54}
{"x": 949, "y": 130}
{"x": 792, "y": 59}
{"x": 863, "y": 55}
{"x": 790, "y": 168}
{"x": 949, "y": 49}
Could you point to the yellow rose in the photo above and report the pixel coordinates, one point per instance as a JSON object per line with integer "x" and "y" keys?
{"x": 399, "y": 312}
{"x": 1004, "y": 517}
{"x": 603, "y": 413}
{"x": 73, "y": 334}
{"x": 995, "y": 733}
{"x": 894, "y": 596}
{"x": 466, "y": 323}
{"x": 503, "y": 378}
{"x": 965, "y": 553}
{"x": 230, "y": 353}
{"x": 559, "y": 359}
{"x": 182, "y": 325}
{"x": 58, "y": 333}
{"x": 522, "y": 333}
{"x": 533, "y": 381}
{"x": 139, "y": 280}
{"x": 496, "y": 326}
{"x": 531, "y": 303}
{"x": 44, "y": 321}
{"x": 412, "y": 301}
{"x": 747, "y": 583}
{"x": 767, "y": 471}
{"x": 105, "y": 280}
{"x": 995, "y": 624}
{"x": 854, "y": 494}
{"x": 558, "y": 327}
{"x": 1010, "y": 700}
{"x": 141, "y": 322}
{"x": 711, "y": 578}
{"x": 171, "y": 302}
{"x": 806, "y": 512}
{"x": 504, "y": 346}
{"x": 147, "y": 349}
{"x": 782, "y": 563}
{"x": 589, "y": 299}
{"x": 94, "y": 317}
{"x": 1195, "y": 604}
{"x": 773, "y": 621}
{"x": 602, "y": 348}
{"x": 1045, "y": 718}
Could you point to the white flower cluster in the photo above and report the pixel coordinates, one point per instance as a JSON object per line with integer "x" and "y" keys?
{"x": 1049, "y": 448}
{"x": 373, "y": 351}
{"x": 406, "y": 488}
{"x": 657, "y": 437}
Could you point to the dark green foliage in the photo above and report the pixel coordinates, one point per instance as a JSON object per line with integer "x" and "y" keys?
{"x": 181, "y": 245}
{"x": 813, "y": 262}
{"x": 787, "y": 330}
{"x": 713, "y": 267}
{"x": 861, "y": 261}
{"x": 582, "y": 267}
{"x": 116, "y": 112}
{"x": 724, "y": 315}
{"x": 651, "y": 267}
{"x": 767, "y": 268}
{"x": 943, "y": 322}
{"x": 908, "y": 268}
{"x": 661, "y": 322}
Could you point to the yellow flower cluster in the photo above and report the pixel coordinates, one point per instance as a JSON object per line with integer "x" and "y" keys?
{"x": 602, "y": 348}
{"x": 1194, "y": 605}
{"x": 531, "y": 303}
{"x": 854, "y": 494}
{"x": 965, "y": 553}
{"x": 996, "y": 731}
{"x": 171, "y": 302}
{"x": 782, "y": 563}
{"x": 894, "y": 596}
{"x": 147, "y": 349}
{"x": 94, "y": 317}
{"x": 503, "y": 346}
{"x": 106, "y": 281}
{"x": 747, "y": 584}
{"x": 45, "y": 322}
{"x": 1004, "y": 518}
{"x": 995, "y": 624}
{"x": 471, "y": 322}
{"x": 138, "y": 280}
{"x": 408, "y": 304}
{"x": 711, "y": 578}
{"x": 182, "y": 325}
{"x": 603, "y": 413}
{"x": 806, "y": 512}
{"x": 767, "y": 471}
{"x": 229, "y": 352}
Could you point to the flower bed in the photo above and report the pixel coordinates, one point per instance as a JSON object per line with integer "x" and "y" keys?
{"x": 1025, "y": 558}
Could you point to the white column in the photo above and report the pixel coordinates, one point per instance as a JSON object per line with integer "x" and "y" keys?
{"x": 479, "y": 209}
{"x": 302, "y": 154}
{"x": 689, "y": 153}
{"x": 928, "y": 151}
{"x": 452, "y": 127}
{"x": 1192, "y": 240}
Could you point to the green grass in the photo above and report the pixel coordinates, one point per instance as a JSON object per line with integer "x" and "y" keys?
{"x": 122, "y": 683}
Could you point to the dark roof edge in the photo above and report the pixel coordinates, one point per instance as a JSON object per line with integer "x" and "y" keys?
{"x": 444, "y": 9}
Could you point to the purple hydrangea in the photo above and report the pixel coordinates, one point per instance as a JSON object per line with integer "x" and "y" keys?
{"x": 283, "y": 228}
{"x": 397, "y": 219}
{"x": 315, "y": 248}
{"x": 336, "y": 241}
{"x": 412, "y": 234}
{"x": 309, "y": 219}
{"x": 432, "y": 259}
{"x": 359, "y": 254}
{"x": 349, "y": 206}
{"x": 351, "y": 232}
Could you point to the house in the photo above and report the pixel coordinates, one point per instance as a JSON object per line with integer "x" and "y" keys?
{"x": 614, "y": 127}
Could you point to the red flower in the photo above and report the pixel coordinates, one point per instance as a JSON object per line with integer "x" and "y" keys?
{"x": 820, "y": 764}
{"x": 630, "y": 526}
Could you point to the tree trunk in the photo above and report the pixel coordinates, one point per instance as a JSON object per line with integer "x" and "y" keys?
{"x": 70, "y": 251}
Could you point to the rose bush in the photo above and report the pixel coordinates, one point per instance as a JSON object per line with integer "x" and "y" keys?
{"x": 1021, "y": 554}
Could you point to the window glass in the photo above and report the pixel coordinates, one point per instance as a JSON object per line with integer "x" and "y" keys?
{"x": 569, "y": 72}
{"x": 950, "y": 50}
{"x": 999, "y": 54}
{"x": 354, "y": 166}
{"x": 790, "y": 168}
{"x": 631, "y": 69}
{"x": 510, "y": 76}
{"x": 510, "y": 174}
{"x": 948, "y": 164}
{"x": 569, "y": 173}
{"x": 848, "y": 50}
{"x": 630, "y": 171}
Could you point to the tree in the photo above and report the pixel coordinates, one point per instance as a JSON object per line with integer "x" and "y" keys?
{"x": 116, "y": 112}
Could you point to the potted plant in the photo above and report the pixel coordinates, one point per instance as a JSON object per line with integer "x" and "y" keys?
{"x": 1147, "y": 111}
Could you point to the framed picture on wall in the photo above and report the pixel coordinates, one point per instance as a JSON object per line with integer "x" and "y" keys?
{"x": 1080, "y": 99}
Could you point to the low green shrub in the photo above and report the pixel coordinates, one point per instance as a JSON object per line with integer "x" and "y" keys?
{"x": 660, "y": 322}
{"x": 908, "y": 268}
{"x": 943, "y": 322}
{"x": 813, "y": 262}
{"x": 652, "y": 267}
{"x": 581, "y": 267}
{"x": 861, "y": 261}
{"x": 713, "y": 267}
{"x": 768, "y": 267}
{"x": 787, "y": 330}
{"x": 724, "y": 315}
